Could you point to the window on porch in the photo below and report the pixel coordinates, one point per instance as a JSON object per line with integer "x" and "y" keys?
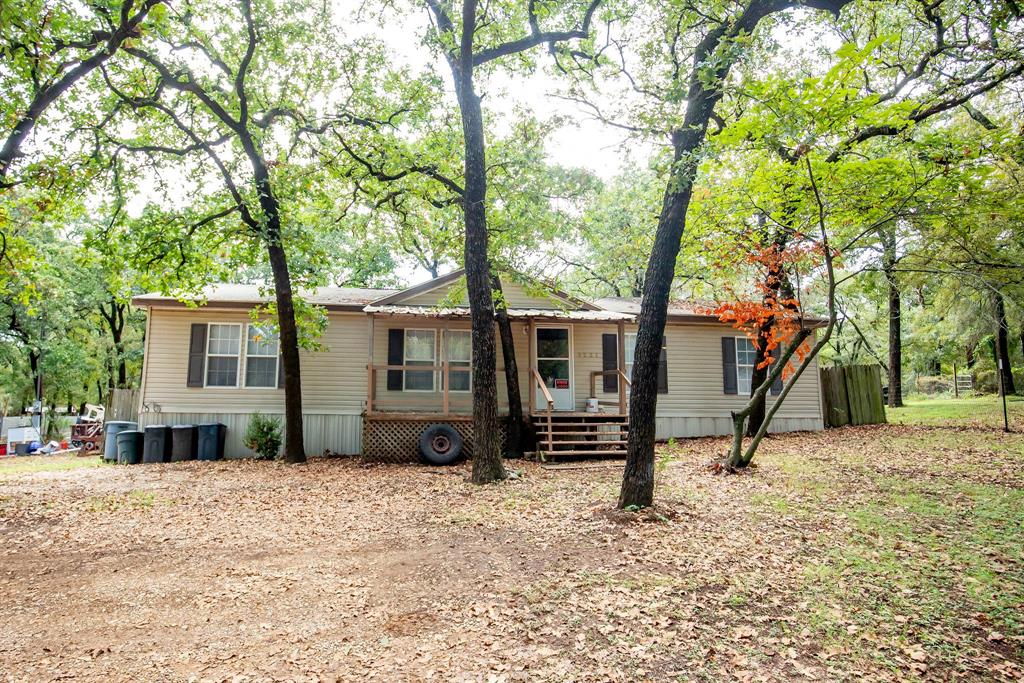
{"x": 459, "y": 354}
{"x": 420, "y": 349}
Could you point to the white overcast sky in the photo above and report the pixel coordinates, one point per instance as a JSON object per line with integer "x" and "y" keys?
{"x": 584, "y": 142}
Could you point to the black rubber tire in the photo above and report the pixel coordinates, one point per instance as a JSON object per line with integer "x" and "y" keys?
{"x": 440, "y": 445}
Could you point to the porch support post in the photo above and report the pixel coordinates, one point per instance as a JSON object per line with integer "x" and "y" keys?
{"x": 532, "y": 360}
{"x": 444, "y": 375}
{"x": 621, "y": 366}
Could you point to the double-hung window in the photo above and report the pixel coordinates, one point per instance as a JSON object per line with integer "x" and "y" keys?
{"x": 420, "y": 349}
{"x": 459, "y": 354}
{"x": 261, "y": 356}
{"x": 746, "y": 358}
{"x": 223, "y": 352}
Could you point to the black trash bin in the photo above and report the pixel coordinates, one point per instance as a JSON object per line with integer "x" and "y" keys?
{"x": 183, "y": 442}
{"x": 211, "y": 441}
{"x": 157, "y": 445}
{"x": 129, "y": 447}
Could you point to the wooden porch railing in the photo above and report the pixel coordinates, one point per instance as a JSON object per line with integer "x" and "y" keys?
{"x": 444, "y": 368}
{"x": 623, "y": 383}
{"x": 539, "y": 381}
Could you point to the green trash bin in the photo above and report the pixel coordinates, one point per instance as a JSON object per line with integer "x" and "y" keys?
{"x": 110, "y": 431}
{"x": 129, "y": 447}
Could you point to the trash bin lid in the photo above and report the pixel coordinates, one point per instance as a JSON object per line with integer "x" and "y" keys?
{"x": 183, "y": 426}
{"x": 119, "y": 423}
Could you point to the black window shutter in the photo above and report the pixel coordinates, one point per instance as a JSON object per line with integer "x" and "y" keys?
{"x": 663, "y": 369}
{"x": 610, "y": 361}
{"x": 196, "y": 355}
{"x": 280, "y": 372}
{"x": 729, "y": 384}
{"x": 396, "y": 356}
{"x": 777, "y": 384}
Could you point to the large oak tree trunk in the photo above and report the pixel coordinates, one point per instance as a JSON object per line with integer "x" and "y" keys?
{"x": 487, "y": 465}
{"x": 294, "y": 450}
{"x": 516, "y": 425}
{"x": 1002, "y": 345}
{"x": 288, "y": 334}
{"x": 895, "y": 321}
{"x": 638, "y": 478}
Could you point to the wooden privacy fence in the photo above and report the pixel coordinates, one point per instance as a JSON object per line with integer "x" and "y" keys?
{"x": 122, "y": 404}
{"x": 852, "y": 395}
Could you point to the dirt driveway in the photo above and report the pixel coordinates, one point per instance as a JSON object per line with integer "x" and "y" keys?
{"x": 247, "y": 571}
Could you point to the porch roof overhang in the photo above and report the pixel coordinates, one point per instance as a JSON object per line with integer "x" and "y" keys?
{"x": 515, "y": 313}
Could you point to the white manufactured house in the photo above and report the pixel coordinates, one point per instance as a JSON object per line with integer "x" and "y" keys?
{"x": 393, "y": 362}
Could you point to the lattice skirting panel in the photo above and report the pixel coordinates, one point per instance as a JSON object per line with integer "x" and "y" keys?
{"x": 397, "y": 439}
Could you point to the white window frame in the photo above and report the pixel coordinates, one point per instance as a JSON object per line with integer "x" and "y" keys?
{"x": 405, "y": 361}
{"x": 237, "y": 357}
{"x": 750, "y": 382}
{"x": 276, "y": 356}
{"x": 469, "y": 366}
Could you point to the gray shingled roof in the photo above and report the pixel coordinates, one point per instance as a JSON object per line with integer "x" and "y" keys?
{"x": 632, "y": 305}
{"x": 358, "y": 299}
{"x": 250, "y": 294}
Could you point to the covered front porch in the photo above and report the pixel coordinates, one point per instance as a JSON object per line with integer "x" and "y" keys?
{"x": 573, "y": 386}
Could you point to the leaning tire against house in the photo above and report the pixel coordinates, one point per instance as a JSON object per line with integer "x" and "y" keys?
{"x": 440, "y": 445}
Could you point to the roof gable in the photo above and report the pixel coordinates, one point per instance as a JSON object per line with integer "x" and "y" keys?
{"x": 449, "y": 291}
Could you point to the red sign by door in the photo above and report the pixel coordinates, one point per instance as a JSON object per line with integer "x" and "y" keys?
{"x": 561, "y": 384}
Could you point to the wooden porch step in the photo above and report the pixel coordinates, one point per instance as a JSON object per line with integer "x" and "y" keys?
{"x": 602, "y": 442}
{"x": 603, "y": 432}
{"x": 609, "y": 452}
{"x": 544, "y": 423}
{"x": 567, "y": 413}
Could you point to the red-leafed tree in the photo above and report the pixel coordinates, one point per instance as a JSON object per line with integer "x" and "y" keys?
{"x": 774, "y": 317}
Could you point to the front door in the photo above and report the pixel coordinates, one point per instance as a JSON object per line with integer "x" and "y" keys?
{"x": 554, "y": 364}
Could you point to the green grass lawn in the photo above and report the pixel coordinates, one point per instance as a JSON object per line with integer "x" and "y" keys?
{"x": 980, "y": 411}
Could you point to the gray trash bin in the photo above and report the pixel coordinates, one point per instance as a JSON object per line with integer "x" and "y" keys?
{"x": 110, "y": 431}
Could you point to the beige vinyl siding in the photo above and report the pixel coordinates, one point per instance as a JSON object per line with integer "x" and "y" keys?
{"x": 333, "y": 380}
{"x": 587, "y": 357}
{"x": 694, "y": 355}
{"x": 515, "y": 295}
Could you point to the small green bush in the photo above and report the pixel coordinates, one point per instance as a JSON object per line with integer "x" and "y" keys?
{"x": 263, "y": 435}
{"x": 987, "y": 381}
{"x": 932, "y": 386}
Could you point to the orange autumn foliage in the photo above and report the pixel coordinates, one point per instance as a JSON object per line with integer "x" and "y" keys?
{"x": 748, "y": 314}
